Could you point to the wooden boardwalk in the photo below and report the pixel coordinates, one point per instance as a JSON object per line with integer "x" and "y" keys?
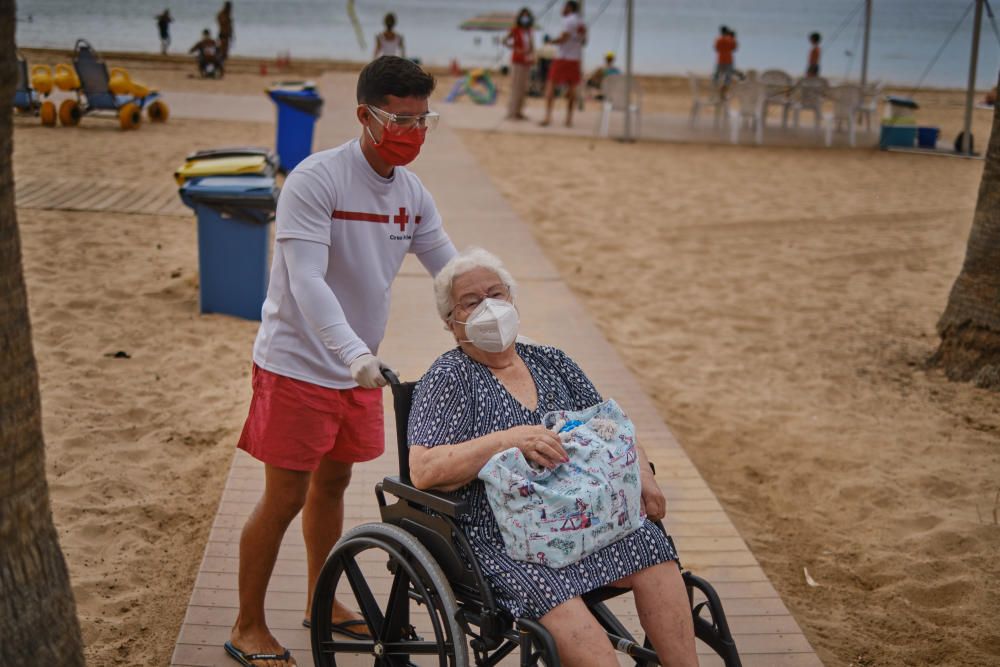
{"x": 475, "y": 213}
{"x": 75, "y": 194}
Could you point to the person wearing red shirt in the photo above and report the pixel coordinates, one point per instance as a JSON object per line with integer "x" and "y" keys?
{"x": 725, "y": 45}
{"x": 521, "y": 43}
{"x": 813, "y": 69}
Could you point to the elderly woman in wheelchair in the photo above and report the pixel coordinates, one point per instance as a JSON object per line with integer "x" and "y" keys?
{"x": 480, "y": 559}
{"x": 489, "y": 395}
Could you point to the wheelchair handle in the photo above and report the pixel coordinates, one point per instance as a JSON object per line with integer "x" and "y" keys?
{"x": 390, "y": 376}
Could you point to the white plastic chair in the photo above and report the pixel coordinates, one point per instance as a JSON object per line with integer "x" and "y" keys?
{"x": 809, "y": 95}
{"x": 706, "y": 94}
{"x": 846, "y": 104}
{"x": 869, "y": 103}
{"x": 750, "y": 95}
{"x": 613, "y": 90}
{"x": 778, "y": 87}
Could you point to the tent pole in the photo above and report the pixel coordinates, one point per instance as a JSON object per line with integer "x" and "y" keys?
{"x": 970, "y": 92}
{"x": 628, "y": 68}
{"x": 864, "y": 52}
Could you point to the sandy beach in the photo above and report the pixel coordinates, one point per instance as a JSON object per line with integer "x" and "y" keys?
{"x": 778, "y": 305}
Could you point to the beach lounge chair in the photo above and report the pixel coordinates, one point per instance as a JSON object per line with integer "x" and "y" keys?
{"x": 706, "y": 94}
{"x": 750, "y": 96}
{"x": 846, "y": 104}
{"x": 31, "y": 90}
{"x": 778, "y": 88}
{"x": 613, "y": 90}
{"x": 100, "y": 90}
{"x": 810, "y": 93}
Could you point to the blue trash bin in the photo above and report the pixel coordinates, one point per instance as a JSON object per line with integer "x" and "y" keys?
{"x": 927, "y": 137}
{"x": 234, "y": 220}
{"x": 299, "y": 105}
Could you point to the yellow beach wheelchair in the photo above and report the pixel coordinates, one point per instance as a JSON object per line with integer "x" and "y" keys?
{"x": 99, "y": 90}
{"x": 31, "y": 92}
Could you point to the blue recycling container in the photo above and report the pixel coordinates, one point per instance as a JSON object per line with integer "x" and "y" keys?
{"x": 299, "y": 105}
{"x": 234, "y": 220}
{"x": 897, "y": 135}
{"x": 927, "y": 137}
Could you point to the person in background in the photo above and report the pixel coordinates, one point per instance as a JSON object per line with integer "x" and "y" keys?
{"x": 163, "y": 22}
{"x": 389, "y": 42}
{"x": 207, "y": 51}
{"x": 565, "y": 70}
{"x": 596, "y": 78}
{"x": 814, "y": 53}
{"x": 725, "y": 45}
{"x": 522, "y": 45}
{"x": 226, "y": 35}
{"x": 544, "y": 56}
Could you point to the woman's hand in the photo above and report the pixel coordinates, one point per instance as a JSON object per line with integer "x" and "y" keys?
{"x": 654, "y": 503}
{"x": 538, "y": 444}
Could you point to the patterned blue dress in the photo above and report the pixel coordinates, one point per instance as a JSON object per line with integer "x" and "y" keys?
{"x": 459, "y": 399}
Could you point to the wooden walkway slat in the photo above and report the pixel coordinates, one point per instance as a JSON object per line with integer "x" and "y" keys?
{"x": 38, "y": 198}
{"x": 148, "y": 198}
{"x": 25, "y": 188}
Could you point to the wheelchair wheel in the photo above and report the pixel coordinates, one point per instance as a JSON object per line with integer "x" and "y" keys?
{"x": 158, "y": 112}
{"x": 69, "y": 113}
{"x": 129, "y": 116}
{"x": 404, "y": 598}
{"x": 48, "y": 114}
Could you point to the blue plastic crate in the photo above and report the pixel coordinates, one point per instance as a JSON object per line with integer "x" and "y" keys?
{"x": 898, "y": 135}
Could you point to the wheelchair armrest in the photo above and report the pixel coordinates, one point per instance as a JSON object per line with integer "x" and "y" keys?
{"x": 429, "y": 499}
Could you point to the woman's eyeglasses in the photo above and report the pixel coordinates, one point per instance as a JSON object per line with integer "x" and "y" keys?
{"x": 470, "y": 302}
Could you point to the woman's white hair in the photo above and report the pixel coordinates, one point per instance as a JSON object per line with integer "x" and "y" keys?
{"x": 468, "y": 259}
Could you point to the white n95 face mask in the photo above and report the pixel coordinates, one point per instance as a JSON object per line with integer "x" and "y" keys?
{"x": 492, "y": 326}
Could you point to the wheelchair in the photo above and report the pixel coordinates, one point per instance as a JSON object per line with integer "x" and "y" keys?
{"x": 425, "y": 600}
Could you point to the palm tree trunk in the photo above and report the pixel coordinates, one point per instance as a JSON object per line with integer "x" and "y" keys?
{"x": 970, "y": 325}
{"x": 38, "y": 624}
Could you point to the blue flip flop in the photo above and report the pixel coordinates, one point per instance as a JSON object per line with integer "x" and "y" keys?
{"x": 248, "y": 659}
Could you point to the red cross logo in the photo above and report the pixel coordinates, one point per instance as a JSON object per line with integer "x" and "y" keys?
{"x": 401, "y": 219}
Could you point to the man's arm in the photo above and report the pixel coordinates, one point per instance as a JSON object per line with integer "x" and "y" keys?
{"x": 307, "y": 262}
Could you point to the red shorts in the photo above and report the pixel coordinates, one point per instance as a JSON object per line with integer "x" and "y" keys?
{"x": 294, "y": 424}
{"x": 565, "y": 73}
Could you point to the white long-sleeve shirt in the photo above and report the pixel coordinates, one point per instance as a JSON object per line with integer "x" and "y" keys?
{"x": 342, "y": 233}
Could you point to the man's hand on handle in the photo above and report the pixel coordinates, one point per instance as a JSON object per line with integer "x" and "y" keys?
{"x": 367, "y": 371}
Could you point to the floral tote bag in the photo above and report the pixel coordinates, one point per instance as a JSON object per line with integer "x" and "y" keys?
{"x": 556, "y": 517}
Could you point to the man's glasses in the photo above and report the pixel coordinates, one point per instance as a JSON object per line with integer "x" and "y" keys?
{"x": 402, "y": 123}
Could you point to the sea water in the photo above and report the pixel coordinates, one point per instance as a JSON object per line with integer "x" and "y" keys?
{"x": 671, "y": 36}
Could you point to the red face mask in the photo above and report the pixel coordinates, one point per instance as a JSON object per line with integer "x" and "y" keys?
{"x": 398, "y": 148}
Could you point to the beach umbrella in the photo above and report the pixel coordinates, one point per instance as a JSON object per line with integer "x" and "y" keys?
{"x": 492, "y": 22}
